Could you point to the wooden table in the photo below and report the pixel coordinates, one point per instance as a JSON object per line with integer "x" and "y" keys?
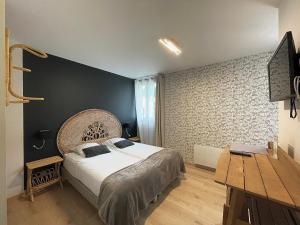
{"x": 135, "y": 139}
{"x": 44, "y": 178}
{"x": 259, "y": 177}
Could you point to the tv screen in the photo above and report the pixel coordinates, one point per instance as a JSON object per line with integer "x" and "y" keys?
{"x": 282, "y": 70}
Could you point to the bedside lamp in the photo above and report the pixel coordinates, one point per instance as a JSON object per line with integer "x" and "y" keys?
{"x": 42, "y": 135}
{"x": 126, "y": 128}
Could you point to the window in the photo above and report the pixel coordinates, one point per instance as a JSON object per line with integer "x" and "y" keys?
{"x": 145, "y": 97}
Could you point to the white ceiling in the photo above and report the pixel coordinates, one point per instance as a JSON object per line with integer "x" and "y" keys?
{"x": 121, "y": 36}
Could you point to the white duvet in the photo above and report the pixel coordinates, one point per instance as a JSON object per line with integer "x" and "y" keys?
{"x": 138, "y": 150}
{"x": 92, "y": 171}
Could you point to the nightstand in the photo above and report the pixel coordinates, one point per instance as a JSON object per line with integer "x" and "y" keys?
{"x": 44, "y": 178}
{"x": 135, "y": 139}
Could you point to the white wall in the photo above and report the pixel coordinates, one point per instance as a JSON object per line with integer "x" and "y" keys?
{"x": 2, "y": 118}
{"x": 14, "y": 133}
{"x": 289, "y": 129}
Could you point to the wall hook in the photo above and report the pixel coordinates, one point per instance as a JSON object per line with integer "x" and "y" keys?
{"x": 10, "y": 67}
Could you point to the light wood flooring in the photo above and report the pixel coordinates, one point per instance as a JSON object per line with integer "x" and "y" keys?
{"x": 197, "y": 200}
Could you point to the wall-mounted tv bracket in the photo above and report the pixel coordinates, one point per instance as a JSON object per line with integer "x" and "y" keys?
{"x": 297, "y": 78}
{"x": 293, "y": 111}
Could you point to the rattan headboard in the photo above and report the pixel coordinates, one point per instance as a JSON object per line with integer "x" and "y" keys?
{"x": 92, "y": 125}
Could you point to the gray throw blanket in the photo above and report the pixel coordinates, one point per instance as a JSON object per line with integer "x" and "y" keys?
{"x": 125, "y": 193}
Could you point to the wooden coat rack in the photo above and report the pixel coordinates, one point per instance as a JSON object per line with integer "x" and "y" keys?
{"x": 9, "y": 67}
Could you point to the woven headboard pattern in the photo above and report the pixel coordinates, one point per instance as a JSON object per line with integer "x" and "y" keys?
{"x": 92, "y": 125}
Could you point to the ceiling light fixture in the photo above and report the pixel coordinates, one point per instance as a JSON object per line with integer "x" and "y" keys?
{"x": 171, "y": 45}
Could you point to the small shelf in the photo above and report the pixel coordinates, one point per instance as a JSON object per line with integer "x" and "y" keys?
{"x": 44, "y": 185}
{"x": 135, "y": 139}
{"x": 36, "y": 181}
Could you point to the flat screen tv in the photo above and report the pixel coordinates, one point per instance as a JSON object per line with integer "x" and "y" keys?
{"x": 283, "y": 68}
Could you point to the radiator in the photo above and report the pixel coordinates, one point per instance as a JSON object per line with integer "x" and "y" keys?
{"x": 206, "y": 156}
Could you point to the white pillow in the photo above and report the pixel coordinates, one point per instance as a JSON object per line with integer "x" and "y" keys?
{"x": 79, "y": 149}
{"x": 110, "y": 143}
{"x": 113, "y": 140}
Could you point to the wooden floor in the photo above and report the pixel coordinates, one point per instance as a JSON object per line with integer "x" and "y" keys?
{"x": 197, "y": 200}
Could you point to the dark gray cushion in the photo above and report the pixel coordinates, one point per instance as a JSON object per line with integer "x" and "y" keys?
{"x": 123, "y": 144}
{"x": 95, "y": 150}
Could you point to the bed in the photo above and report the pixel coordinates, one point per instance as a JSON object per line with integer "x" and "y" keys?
{"x": 123, "y": 182}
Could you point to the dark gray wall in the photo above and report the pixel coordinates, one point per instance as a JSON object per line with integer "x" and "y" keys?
{"x": 69, "y": 88}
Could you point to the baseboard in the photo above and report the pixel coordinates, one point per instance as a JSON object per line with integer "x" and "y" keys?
{"x": 205, "y": 167}
{"x": 14, "y": 191}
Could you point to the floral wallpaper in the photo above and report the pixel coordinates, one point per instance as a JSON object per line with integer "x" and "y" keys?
{"x": 219, "y": 104}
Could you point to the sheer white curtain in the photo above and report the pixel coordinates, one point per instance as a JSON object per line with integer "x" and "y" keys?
{"x": 145, "y": 98}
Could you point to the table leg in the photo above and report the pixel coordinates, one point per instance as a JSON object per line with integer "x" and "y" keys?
{"x": 228, "y": 195}
{"x": 29, "y": 184}
{"x": 225, "y": 214}
{"x": 237, "y": 201}
{"x": 226, "y": 205}
{"x": 57, "y": 168}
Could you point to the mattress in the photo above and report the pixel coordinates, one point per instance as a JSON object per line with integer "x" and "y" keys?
{"x": 92, "y": 171}
{"x": 138, "y": 150}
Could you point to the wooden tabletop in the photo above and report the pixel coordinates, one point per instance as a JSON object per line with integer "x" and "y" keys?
{"x": 134, "y": 139}
{"x": 43, "y": 162}
{"x": 262, "y": 176}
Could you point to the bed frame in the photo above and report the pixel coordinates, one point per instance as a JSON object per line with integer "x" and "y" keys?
{"x": 91, "y": 125}
{"x": 80, "y": 187}
{"x": 95, "y": 125}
